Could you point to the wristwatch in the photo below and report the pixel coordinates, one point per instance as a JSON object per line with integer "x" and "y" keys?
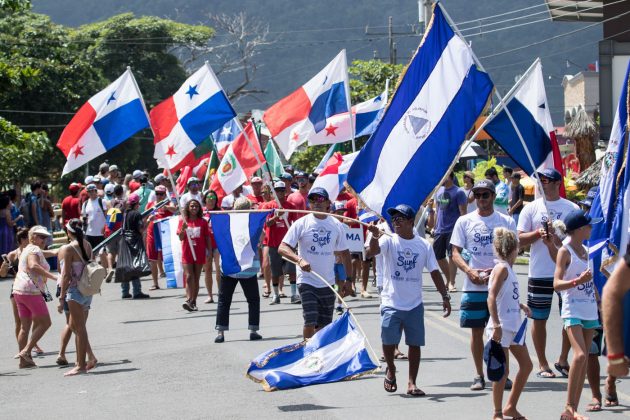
{"x": 446, "y": 296}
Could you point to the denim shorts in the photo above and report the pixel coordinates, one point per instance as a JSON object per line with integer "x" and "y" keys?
{"x": 395, "y": 321}
{"x": 586, "y": 324}
{"x": 75, "y": 295}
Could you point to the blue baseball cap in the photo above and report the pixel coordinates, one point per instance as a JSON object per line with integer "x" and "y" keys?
{"x": 403, "y": 209}
{"x": 286, "y": 176}
{"x": 318, "y": 191}
{"x": 495, "y": 360}
{"x": 550, "y": 173}
{"x": 590, "y": 196}
{"x": 577, "y": 219}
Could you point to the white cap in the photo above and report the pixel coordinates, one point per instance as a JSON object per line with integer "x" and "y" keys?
{"x": 279, "y": 184}
{"x": 89, "y": 179}
{"x": 137, "y": 174}
{"x": 109, "y": 189}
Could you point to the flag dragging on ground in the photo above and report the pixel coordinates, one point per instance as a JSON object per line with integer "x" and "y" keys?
{"x": 273, "y": 159}
{"x": 439, "y": 98}
{"x": 529, "y": 109}
{"x": 237, "y": 237}
{"x": 242, "y": 158}
{"x": 103, "y": 122}
{"x": 186, "y": 119}
{"x": 365, "y": 116}
{"x": 226, "y": 135}
{"x": 334, "y": 174}
{"x": 171, "y": 252}
{"x": 295, "y": 118}
{"x": 336, "y": 352}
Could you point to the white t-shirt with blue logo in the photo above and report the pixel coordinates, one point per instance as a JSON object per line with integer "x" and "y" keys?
{"x": 403, "y": 263}
{"x": 317, "y": 240}
{"x": 475, "y": 233}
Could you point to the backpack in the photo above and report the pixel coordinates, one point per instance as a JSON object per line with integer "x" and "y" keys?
{"x": 25, "y": 209}
{"x": 92, "y": 276}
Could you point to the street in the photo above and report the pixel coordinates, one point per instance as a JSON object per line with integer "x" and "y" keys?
{"x": 158, "y": 361}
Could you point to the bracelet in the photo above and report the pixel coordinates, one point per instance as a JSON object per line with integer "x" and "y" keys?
{"x": 616, "y": 362}
{"x": 574, "y": 282}
{"x": 616, "y": 356}
{"x": 497, "y": 326}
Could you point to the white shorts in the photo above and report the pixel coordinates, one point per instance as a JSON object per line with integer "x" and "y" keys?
{"x": 509, "y": 338}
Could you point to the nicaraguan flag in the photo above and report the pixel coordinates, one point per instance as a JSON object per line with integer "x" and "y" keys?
{"x": 336, "y": 352}
{"x": 335, "y": 174}
{"x": 437, "y": 102}
{"x": 293, "y": 119}
{"x": 365, "y": 116}
{"x": 103, "y": 122}
{"x": 183, "y": 121}
{"x": 367, "y": 216}
{"x": 237, "y": 236}
{"x": 171, "y": 252}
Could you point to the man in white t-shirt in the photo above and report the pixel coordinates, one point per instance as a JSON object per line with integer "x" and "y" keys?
{"x": 405, "y": 256}
{"x": 317, "y": 238}
{"x": 194, "y": 186}
{"x": 535, "y": 228}
{"x": 473, "y": 233}
{"x": 228, "y": 201}
{"x": 93, "y": 212}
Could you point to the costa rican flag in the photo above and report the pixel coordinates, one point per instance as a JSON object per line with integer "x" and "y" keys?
{"x": 183, "y": 121}
{"x": 103, "y": 122}
{"x": 302, "y": 114}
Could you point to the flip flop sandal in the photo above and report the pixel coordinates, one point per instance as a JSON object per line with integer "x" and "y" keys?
{"x": 282, "y": 295}
{"x": 401, "y": 356}
{"x": 546, "y": 374}
{"x": 266, "y": 294}
{"x": 154, "y": 288}
{"x": 61, "y": 361}
{"x": 389, "y": 384}
{"x": 593, "y": 407}
{"x": 611, "y": 400}
{"x": 417, "y": 392}
{"x": 564, "y": 370}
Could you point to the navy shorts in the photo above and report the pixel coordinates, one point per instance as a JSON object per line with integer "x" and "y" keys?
{"x": 473, "y": 310}
{"x": 394, "y": 322}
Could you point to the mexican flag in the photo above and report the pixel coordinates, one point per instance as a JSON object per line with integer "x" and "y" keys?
{"x": 242, "y": 158}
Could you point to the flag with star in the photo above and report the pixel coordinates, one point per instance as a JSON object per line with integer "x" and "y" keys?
{"x": 107, "y": 119}
{"x": 186, "y": 119}
{"x": 293, "y": 119}
{"x": 365, "y": 117}
{"x": 225, "y": 135}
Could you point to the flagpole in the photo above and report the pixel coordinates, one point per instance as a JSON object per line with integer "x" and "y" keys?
{"x": 260, "y": 144}
{"x": 214, "y": 152}
{"x": 168, "y": 169}
{"x": 349, "y": 101}
{"x": 498, "y": 95}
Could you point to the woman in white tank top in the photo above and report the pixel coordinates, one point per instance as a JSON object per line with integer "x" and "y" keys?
{"x": 505, "y": 325}
{"x": 574, "y": 281}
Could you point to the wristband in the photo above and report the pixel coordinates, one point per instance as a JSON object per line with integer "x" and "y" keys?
{"x": 574, "y": 282}
{"x": 616, "y": 356}
{"x": 616, "y": 362}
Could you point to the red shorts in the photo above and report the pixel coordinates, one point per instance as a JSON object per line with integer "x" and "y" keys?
{"x": 30, "y": 306}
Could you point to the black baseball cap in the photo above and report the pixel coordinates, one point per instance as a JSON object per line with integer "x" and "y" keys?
{"x": 550, "y": 173}
{"x": 577, "y": 219}
{"x": 484, "y": 184}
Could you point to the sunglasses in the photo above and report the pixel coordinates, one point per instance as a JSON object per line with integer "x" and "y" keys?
{"x": 482, "y": 195}
{"x": 546, "y": 180}
{"x": 317, "y": 199}
{"x": 160, "y": 193}
{"x": 194, "y": 184}
{"x": 399, "y": 218}
{"x": 211, "y": 197}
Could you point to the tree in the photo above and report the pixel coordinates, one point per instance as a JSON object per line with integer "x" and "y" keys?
{"x": 369, "y": 78}
{"x": 12, "y": 6}
{"x": 21, "y": 152}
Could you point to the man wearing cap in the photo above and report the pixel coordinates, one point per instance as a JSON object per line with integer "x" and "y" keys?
{"x": 535, "y": 228}
{"x": 134, "y": 184}
{"x": 287, "y": 178}
{"x": 256, "y": 197}
{"x": 316, "y": 239}
{"x": 114, "y": 175}
{"x": 103, "y": 170}
{"x": 516, "y": 198}
{"x": 94, "y": 212}
{"x": 194, "y": 186}
{"x": 474, "y": 255}
{"x": 502, "y": 191}
{"x": 450, "y": 203}
{"x": 228, "y": 201}
{"x": 70, "y": 206}
{"x": 144, "y": 192}
{"x": 83, "y": 195}
{"x": 109, "y": 193}
{"x": 276, "y": 227}
{"x": 299, "y": 197}
{"x": 405, "y": 256}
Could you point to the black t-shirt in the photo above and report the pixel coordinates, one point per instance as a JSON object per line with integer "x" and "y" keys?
{"x": 133, "y": 221}
{"x": 518, "y": 192}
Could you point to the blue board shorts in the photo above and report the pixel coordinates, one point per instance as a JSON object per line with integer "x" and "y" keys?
{"x": 473, "y": 310}
{"x": 395, "y": 321}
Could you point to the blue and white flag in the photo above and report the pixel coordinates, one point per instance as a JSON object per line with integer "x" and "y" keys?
{"x": 367, "y": 216}
{"x": 237, "y": 236}
{"x": 226, "y": 134}
{"x": 336, "y": 352}
{"x": 437, "y": 102}
{"x": 529, "y": 108}
{"x": 171, "y": 252}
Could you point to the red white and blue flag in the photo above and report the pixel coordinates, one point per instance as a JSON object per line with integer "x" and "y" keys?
{"x": 225, "y": 135}
{"x": 103, "y": 122}
{"x": 183, "y": 121}
{"x": 302, "y": 114}
{"x": 334, "y": 174}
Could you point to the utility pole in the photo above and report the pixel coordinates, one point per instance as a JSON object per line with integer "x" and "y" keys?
{"x": 424, "y": 12}
{"x": 390, "y": 37}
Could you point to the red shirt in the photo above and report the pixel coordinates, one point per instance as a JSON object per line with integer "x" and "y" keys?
{"x": 351, "y": 211}
{"x": 274, "y": 234}
{"x": 299, "y": 202}
{"x": 71, "y": 208}
{"x": 256, "y": 200}
{"x": 134, "y": 185}
{"x": 198, "y": 231}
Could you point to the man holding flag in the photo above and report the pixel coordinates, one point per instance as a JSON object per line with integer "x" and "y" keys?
{"x": 317, "y": 237}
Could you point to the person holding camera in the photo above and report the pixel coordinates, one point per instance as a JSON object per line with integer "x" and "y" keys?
{"x": 31, "y": 294}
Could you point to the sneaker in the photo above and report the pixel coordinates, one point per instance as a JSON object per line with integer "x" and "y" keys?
{"x": 141, "y": 296}
{"x": 508, "y": 384}
{"x": 110, "y": 276}
{"x": 186, "y": 305}
{"x": 254, "y": 336}
{"x": 219, "y": 338}
{"x": 193, "y": 305}
{"x": 275, "y": 300}
{"x": 478, "y": 384}
{"x": 339, "y": 310}
{"x": 296, "y": 299}
{"x": 366, "y": 295}
{"x": 126, "y": 296}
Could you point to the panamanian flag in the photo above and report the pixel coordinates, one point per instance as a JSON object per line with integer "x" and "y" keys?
{"x": 103, "y": 122}
{"x": 302, "y": 114}
{"x": 183, "y": 121}
{"x": 334, "y": 174}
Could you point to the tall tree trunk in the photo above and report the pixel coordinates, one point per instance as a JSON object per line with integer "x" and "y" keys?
{"x": 585, "y": 151}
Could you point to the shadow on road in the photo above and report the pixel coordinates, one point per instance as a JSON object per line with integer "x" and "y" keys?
{"x": 304, "y": 407}
{"x": 106, "y": 372}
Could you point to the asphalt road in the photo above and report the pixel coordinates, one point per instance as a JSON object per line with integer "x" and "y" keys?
{"x": 158, "y": 361}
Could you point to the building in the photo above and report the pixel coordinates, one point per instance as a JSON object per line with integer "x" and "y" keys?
{"x": 581, "y": 91}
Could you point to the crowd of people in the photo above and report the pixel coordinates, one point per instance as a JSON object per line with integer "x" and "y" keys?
{"x": 478, "y": 229}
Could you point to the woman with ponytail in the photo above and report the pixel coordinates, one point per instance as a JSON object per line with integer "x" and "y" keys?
{"x": 72, "y": 259}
